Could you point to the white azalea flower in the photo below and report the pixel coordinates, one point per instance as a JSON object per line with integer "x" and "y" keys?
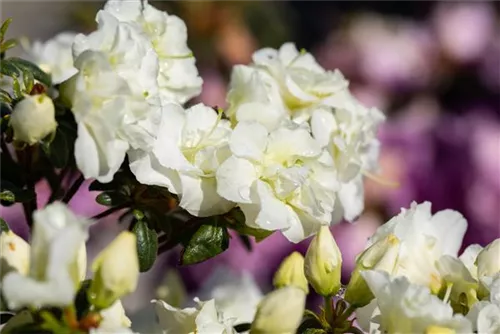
{"x": 485, "y": 315}
{"x": 57, "y": 261}
{"x": 128, "y": 50}
{"x": 488, "y": 263}
{"x": 349, "y": 132}
{"x": 408, "y": 308}
{"x": 281, "y": 179}
{"x": 54, "y": 56}
{"x": 178, "y": 77}
{"x": 14, "y": 254}
{"x": 100, "y": 101}
{"x": 468, "y": 258}
{"x": 190, "y": 146}
{"x": 205, "y": 319}
{"x": 236, "y": 296}
{"x": 255, "y": 96}
{"x": 424, "y": 239}
{"x": 114, "y": 318}
{"x": 459, "y": 281}
{"x": 303, "y": 83}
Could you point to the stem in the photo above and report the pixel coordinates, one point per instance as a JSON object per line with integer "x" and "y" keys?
{"x": 5, "y": 150}
{"x": 55, "y": 191}
{"x": 73, "y": 189}
{"x": 110, "y": 211}
{"x": 25, "y": 159}
{"x": 347, "y": 313}
{"x": 328, "y": 309}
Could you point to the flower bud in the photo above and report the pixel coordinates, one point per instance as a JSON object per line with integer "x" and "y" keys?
{"x": 291, "y": 272}
{"x": 280, "y": 311}
{"x": 323, "y": 263}
{"x": 116, "y": 271}
{"x": 14, "y": 254}
{"x": 488, "y": 260}
{"x": 381, "y": 256}
{"x": 33, "y": 119}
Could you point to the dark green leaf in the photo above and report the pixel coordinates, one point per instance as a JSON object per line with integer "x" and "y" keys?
{"x": 82, "y": 303}
{"x": 20, "y": 195}
{"x": 314, "y": 331}
{"x": 5, "y": 96}
{"x": 11, "y": 170}
{"x": 56, "y": 149}
{"x": 10, "y": 69}
{"x": 30, "y": 67}
{"x": 20, "y": 323}
{"x": 207, "y": 242}
{"x": 147, "y": 245}
{"x": 7, "y": 196}
{"x": 8, "y": 44}
{"x": 111, "y": 198}
{"x": 242, "y": 328}
{"x": 5, "y": 316}
{"x": 4, "y": 27}
{"x": 4, "y": 227}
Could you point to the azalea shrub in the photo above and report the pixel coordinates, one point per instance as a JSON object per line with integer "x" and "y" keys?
{"x": 288, "y": 155}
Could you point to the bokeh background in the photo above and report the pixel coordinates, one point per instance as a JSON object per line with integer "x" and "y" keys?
{"x": 432, "y": 67}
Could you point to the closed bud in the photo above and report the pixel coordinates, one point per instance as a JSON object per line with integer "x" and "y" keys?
{"x": 116, "y": 271}
{"x": 381, "y": 256}
{"x": 488, "y": 260}
{"x": 14, "y": 254}
{"x": 323, "y": 263}
{"x": 280, "y": 312}
{"x": 33, "y": 119}
{"x": 291, "y": 272}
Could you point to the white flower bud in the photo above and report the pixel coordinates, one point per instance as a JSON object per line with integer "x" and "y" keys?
{"x": 116, "y": 271}
{"x": 14, "y": 254}
{"x": 381, "y": 256}
{"x": 488, "y": 260}
{"x": 323, "y": 263}
{"x": 280, "y": 311}
{"x": 33, "y": 119}
{"x": 291, "y": 272}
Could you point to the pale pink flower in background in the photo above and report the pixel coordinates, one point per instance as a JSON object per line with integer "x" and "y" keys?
{"x": 391, "y": 52}
{"x": 464, "y": 29}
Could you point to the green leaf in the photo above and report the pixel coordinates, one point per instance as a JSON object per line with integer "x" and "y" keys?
{"x": 111, "y": 198}
{"x": 8, "y": 44}
{"x": 27, "y": 66}
{"x": 207, "y": 242}
{"x": 147, "y": 245}
{"x": 10, "y": 69}
{"x": 82, "y": 303}
{"x": 7, "y": 196}
{"x": 4, "y": 27}
{"x": 20, "y": 320}
{"x": 4, "y": 227}
{"x": 314, "y": 331}
{"x": 5, "y": 96}
{"x": 16, "y": 86}
{"x": 9, "y": 189}
{"x": 28, "y": 80}
{"x": 56, "y": 149}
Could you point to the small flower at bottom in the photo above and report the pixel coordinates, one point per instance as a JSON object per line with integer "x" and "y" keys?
{"x": 116, "y": 271}
{"x": 323, "y": 263}
{"x": 280, "y": 311}
{"x": 291, "y": 272}
{"x": 56, "y": 261}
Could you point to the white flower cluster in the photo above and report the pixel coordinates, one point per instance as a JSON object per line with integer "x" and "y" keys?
{"x": 292, "y": 155}
{"x": 420, "y": 284}
{"x": 49, "y": 271}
